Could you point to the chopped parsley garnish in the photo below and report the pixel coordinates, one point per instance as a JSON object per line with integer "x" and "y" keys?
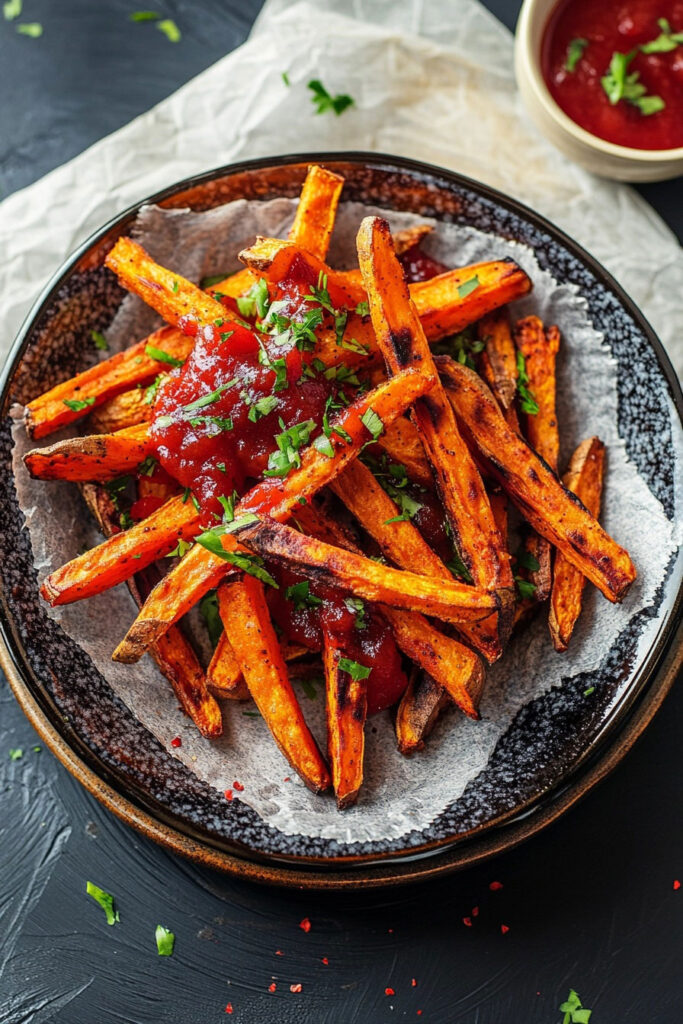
{"x": 162, "y": 357}
{"x": 393, "y": 478}
{"x": 32, "y": 29}
{"x": 115, "y": 489}
{"x": 351, "y": 345}
{"x": 209, "y": 282}
{"x": 78, "y": 404}
{"x": 467, "y": 287}
{"x": 527, "y": 561}
{"x": 372, "y": 422}
{"x": 256, "y": 301}
{"x": 147, "y": 466}
{"x": 285, "y": 78}
{"x": 12, "y": 9}
{"x": 125, "y": 522}
{"x": 175, "y": 287}
{"x": 528, "y": 403}
{"x": 330, "y": 428}
{"x": 262, "y": 407}
{"x": 618, "y": 85}
{"x": 524, "y": 587}
{"x": 286, "y": 332}
{"x": 151, "y": 390}
{"x": 251, "y": 564}
{"x": 589, "y": 691}
{"x": 182, "y": 547}
{"x": 324, "y": 446}
{"x": 165, "y": 940}
{"x": 105, "y": 900}
{"x": 319, "y": 293}
{"x": 665, "y": 41}
{"x": 461, "y": 347}
{"x": 363, "y": 309}
{"x": 340, "y": 319}
{"x": 172, "y": 33}
{"x": 355, "y": 670}
{"x": 289, "y": 442}
{"x": 301, "y": 595}
{"x": 99, "y": 341}
{"x": 228, "y": 504}
{"x": 357, "y": 607}
{"x": 15, "y": 753}
{"x": 323, "y": 101}
{"x": 221, "y": 423}
{"x": 458, "y": 567}
{"x": 574, "y": 54}
{"x": 208, "y": 609}
{"x": 574, "y": 1012}
{"x": 213, "y": 396}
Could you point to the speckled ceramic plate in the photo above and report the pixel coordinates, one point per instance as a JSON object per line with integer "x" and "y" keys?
{"x": 556, "y": 748}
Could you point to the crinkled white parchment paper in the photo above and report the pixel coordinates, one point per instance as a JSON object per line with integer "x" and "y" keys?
{"x": 399, "y": 794}
{"x": 431, "y": 80}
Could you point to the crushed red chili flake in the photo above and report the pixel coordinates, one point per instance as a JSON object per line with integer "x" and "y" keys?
{"x": 475, "y": 911}
{"x": 324, "y": 960}
{"x": 278, "y": 952}
{"x": 228, "y": 794}
{"x": 504, "y": 929}
{"x": 228, "y": 1008}
{"x": 495, "y": 886}
{"x": 305, "y": 925}
{"x": 677, "y": 884}
{"x": 272, "y": 986}
{"x": 238, "y": 786}
{"x": 287, "y": 779}
{"x": 389, "y": 992}
{"x": 467, "y": 921}
{"x": 296, "y": 988}
{"x": 176, "y": 741}
{"x": 413, "y": 982}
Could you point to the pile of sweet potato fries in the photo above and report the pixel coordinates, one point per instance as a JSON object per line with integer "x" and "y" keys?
{"x": 477, "y": 426}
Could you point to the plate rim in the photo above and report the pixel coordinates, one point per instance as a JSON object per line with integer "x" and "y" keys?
{"x": 657, "y": 671}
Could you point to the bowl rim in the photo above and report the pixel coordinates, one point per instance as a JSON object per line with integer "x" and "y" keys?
{"x": 529, "y": 18}
{"x": 636, "y": 708}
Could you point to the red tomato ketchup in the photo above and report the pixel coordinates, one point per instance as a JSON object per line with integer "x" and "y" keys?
{"x": 616, "y": 69}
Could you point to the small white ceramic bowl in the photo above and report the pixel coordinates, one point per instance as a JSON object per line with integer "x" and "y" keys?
{"x": 593, "y": 153}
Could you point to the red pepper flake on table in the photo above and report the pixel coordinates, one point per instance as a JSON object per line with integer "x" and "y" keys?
{"x": 324, "y": 960}
{"x": 467, "y": 921}
{"x": 296, "y": 988}
{"x": 504, "y": 929}
{"x": 389, "y": 992}
{"x": 238, "y": 786}
{"x": 272, "y": 987}
{"x": 495, "y": 886}
{"x": 176, "y": 741}
{"x": 228, "y": 1008}
{"x": 305, "y": 925}
{"x": 677, "y": 885}
{"x": 228, "y": 794}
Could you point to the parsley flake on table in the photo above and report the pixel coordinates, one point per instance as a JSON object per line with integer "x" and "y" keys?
{"x": 12, "y": 9}
{"x": 323, "y": 101}
{"x": 574, "y": 1011}
{"x": 99, "y": 341}
{"x": 32, "y": 29}
{"x": 165, "y": 940}
{"x": 285, "y": 78}
{"x": 15, "y": 753}
{"x": 618, "y": 85}
{"x": 172, "y": 33}
{"x": 354, "y": 669}
{"x": 665, "y": 42}
{"x": 105, "y": 900}
{"x": 574, "y": 54}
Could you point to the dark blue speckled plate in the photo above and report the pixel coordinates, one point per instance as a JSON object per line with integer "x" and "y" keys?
{"x": 558, "y": 745}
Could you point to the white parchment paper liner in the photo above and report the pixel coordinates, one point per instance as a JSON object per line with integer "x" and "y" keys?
{"x": 398, "y": 794}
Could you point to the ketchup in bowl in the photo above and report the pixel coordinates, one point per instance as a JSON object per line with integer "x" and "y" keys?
{"x": 616, "y": 69}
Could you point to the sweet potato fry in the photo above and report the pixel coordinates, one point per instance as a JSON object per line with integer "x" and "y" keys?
{"x": 122, "y": 555}
{"x": 457, "y": 669}
{"x": 420, "y": 707}
{"x": 336, "y": 567}
{"x": 401, "y": 541}
{"x": 201, "y": 570}
{"x": 402, "y": 444}
{"x": 77, "y": 396}
{"x": 403, "y": 343}
{"x": 177, "y": 300}
{"x": 498, "y": 361}
{"x": 125, "y": 410}
{"x": 174, "y": 656}
{"x": 540, "y": 348}
{"x": 94, "y": 457}
{"x": 265, "y": 673}
{"x": 552, "y": 510}
{"x": 346, "y": 712}
{"x": 584, "y": 479}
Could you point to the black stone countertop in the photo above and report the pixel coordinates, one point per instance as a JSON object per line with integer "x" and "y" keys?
{"x": 589, "y": 904}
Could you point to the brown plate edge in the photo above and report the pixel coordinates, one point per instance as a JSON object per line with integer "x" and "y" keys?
{"x": 380, "y": 876}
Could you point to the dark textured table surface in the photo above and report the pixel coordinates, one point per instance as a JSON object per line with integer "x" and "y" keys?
{"x": 589, "y": 904}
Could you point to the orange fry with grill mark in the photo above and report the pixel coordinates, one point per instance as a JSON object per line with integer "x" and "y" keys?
{"x": 584, "y": 479}
{"x": 418, "y": 711}
{"x": 200, "y": 570}
{"x": 122, "y": 555}
{"x": 498, "y": 361}
{"x": 103, "y": 381}
{"x": 94, "y": 457}
{"x": 346, "y": 711}
{"x": 552, "y": 510}
{"x": 336, "y": 567}
{"x": 265, "y": 673}
{"x": 403, "y": 343}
